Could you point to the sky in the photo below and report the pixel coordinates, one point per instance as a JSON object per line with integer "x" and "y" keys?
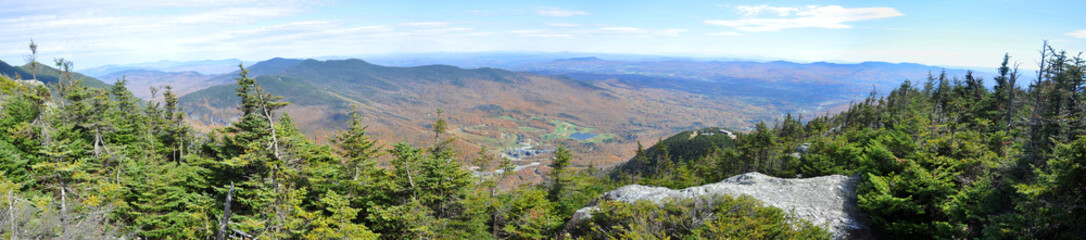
{"x": 946, "y": 33}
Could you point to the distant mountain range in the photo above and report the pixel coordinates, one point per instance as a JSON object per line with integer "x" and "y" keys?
{"x": 206, "y": 67}
{"x": 797, "y": 87}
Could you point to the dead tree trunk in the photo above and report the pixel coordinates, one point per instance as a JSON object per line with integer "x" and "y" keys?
{"x": 225, "y": 214}
{"x": 11, "y": 213}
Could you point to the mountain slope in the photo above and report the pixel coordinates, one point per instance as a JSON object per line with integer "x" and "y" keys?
{"x": 48, "y": 75}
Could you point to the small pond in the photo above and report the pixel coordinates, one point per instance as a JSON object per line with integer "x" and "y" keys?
{"x": 582, "y": 136}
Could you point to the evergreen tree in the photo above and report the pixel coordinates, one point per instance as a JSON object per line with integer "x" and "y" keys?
{"x": 558, "y": 166}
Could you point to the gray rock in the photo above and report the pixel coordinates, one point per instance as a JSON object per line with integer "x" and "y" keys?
{"x": 30, "y": 82}
{"x": 796, "y": 155}
{"x": 828, "y": 201}
{"x": 802, "y": 148}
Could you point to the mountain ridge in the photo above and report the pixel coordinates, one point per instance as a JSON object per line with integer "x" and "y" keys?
{"x": 48, "y": 75}
{"x": 206, "y": 67}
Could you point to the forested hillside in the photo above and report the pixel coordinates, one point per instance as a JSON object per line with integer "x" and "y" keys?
{"x": 47, "y": 74}
{"x": 946, "y": 157}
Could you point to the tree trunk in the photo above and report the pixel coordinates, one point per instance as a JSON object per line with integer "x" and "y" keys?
{"x": 1010, "y": 97}
{"x": 97, "y": 142}
{"x": 225, "y": 214}
{"x": 11, "y": 213}
{"x": 63, "y": 195}
{"x": 274, "y": 145}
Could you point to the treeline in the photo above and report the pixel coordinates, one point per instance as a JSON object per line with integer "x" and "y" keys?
{"x": 943, "y": 158}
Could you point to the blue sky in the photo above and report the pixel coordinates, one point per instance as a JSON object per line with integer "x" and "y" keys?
{"x": 948, "y": 33}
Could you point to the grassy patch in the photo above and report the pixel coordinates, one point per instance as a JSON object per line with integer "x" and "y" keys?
{"x": 530, "y": 129}
{"x": 563, "y": 129}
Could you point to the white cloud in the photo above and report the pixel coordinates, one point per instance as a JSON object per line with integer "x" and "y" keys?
{"x": 1078, "y": 34}
{"x": 540, "y": 33}
{"x": 440, "y": 31}
{"x": 623, "y": 29}
{"x": 833, "y": 17}
{"x": 234, "y": 15}
{"x": 96, "y": 36}
{"x": 426, "y": 24}
{"x": 557, "y": 12}
{"x": 724, "y": 34}
{"x": 748, "y": 10}
{"x": 480, "y": 12}
{"x": 561, "y": 24}
{"x": 671, "y": 32}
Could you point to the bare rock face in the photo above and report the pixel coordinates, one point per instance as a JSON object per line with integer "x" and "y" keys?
{"x": 828, "y": 201}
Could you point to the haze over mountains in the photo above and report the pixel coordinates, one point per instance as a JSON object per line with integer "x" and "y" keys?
{"x": 207, "y": 67}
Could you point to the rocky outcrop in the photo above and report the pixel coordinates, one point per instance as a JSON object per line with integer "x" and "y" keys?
{"x": 31, "y": 83}
{"x": 828, "y": 201}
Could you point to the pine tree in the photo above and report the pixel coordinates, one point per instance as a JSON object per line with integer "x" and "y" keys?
{"x": 558, "y": 166}
{"x": 340, "y": 224}
{"x": 358, "y": 151}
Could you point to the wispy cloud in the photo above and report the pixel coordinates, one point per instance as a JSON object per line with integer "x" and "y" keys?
{"x": 562, "y": 24}
{"x": 234, "y": 15}
{"x": 208, "y": 29}
{"x": 833, "y": 17}
{"x": 425, "y": 24}
{"x": 558, "y": 12}
{"x": 724, "y": 34}
{"x": 540, "y": 33}
{"x": 671, "y": 32}
{"x": 1077, "y": 34}
{"x": 443, "y": 31}
{"x": 623, "y": 30}
{"x": 480, "y": 13}
{"x": 748, "y": 10}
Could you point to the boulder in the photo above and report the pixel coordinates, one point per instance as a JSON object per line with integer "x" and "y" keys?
{"x": 827, "y": 201}
{"x": 802, "y": 148}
